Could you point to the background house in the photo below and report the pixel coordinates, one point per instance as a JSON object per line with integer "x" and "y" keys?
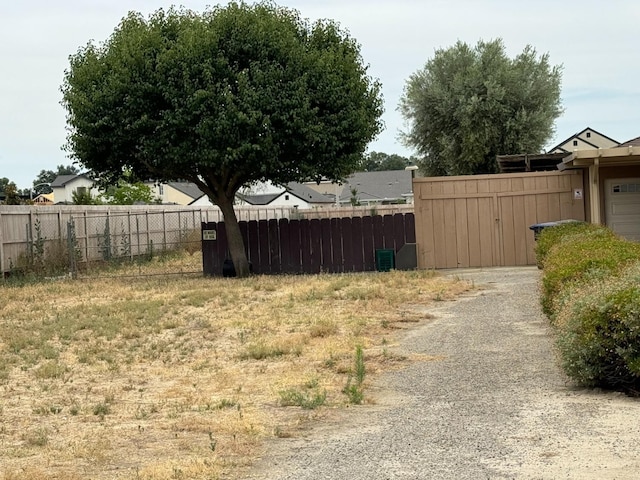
{"x": 292, "y": 195}
{"x": 383, "y": 188}
{"x": 585, "y": 140}
{"x": 175, "y": 193}
{"x": 611, "y": 186}
{"x": 64, "y": 186}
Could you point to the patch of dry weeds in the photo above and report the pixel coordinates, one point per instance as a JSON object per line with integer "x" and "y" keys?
{"x": 163, "y": 378}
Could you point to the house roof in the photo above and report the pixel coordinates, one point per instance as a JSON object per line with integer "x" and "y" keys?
{"x": 187, "y": 188}
{"x": 578, "y": 135}
{"x": 634, "y": 142}
{"x": 378, "y": 186}
{"x": 308, "y": 194}
{"x": 62, "y": 180}
{"x": 260, "y": 199}
{"x": 298, "y": 190}
{"x": 629, "y": 155}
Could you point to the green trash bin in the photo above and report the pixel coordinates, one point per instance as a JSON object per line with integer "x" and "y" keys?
{"x": 384, "y": 260}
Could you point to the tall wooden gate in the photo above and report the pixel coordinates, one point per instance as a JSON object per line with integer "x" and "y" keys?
{"x": 310, "y": 246}
{"x": 484, "y": 220}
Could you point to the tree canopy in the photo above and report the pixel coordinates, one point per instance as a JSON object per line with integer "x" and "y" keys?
{"x": 380, "y": 161}
{"x": 9, "y": 192}
{"x": 468, "y": 105}
{"x": 235, "y": 95}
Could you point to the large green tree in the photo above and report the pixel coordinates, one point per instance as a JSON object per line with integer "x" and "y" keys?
{"x": 235, "y": 95}
{"x": 468, "y": 105}
{"x": 380, "y": 161}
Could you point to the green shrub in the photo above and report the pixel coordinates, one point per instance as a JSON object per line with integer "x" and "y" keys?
{"x": 577, "y": 254}
{"x": 598, "y": 332}
{"x": 551, "y": 236}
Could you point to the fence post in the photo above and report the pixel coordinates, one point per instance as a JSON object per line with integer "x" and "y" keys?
{"x": 164, "y": 230}
{"x": 72, "y": 249}
{"x": 130, "y": 236}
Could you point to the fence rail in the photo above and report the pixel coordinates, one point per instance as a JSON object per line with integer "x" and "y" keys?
{"x": 98, "y": 232}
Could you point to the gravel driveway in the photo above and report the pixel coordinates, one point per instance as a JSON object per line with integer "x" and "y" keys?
{"x": 494, "y": 405}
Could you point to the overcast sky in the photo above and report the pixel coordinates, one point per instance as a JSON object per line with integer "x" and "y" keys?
{"x": 595, "y": 41}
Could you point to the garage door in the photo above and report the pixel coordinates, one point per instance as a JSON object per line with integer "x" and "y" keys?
{"x": 622, "y": 204}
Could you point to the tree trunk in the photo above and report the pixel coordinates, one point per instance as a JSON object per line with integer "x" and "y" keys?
{"x": 234, "y": 238}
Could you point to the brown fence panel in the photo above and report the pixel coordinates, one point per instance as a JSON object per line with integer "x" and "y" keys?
{"x": 484, "y": 220}
{"x": 310, "y": 246}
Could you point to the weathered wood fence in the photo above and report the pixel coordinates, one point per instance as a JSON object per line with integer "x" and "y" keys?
{"x": 331, "y": 245}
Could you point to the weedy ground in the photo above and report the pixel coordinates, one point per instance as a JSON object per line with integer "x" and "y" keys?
{"x": 184, "y": 377}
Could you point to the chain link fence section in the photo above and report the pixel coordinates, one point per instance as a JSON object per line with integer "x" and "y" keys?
{"x": 139, "y": 243}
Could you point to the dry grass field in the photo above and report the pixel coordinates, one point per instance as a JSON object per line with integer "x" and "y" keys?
{"x": 175, "y": 377}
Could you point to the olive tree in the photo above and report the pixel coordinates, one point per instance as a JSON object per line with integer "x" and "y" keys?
{"x": 468, "y": 105}
{"x": 225, "y": 98}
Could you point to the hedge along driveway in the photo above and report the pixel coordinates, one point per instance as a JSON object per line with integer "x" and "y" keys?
{"x": 489, "y": 401}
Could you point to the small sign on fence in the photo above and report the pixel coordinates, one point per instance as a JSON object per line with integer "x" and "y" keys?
{"x": 209, "y": 234}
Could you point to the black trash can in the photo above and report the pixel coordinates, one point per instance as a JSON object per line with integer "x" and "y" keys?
{"x": 538, "y": 227}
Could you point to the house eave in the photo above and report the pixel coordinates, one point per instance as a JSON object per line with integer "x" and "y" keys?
{"x": 605, "y": 157}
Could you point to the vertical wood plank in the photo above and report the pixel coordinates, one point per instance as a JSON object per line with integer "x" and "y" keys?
{"x": 274, "y": 245}
{"x": 295, "y": 250}
{"x": 462, "y": 232}
{"x": 410, "y": 227}
{"x": 337, "y": 265}
{"x": 451, "y": 235}
{"x": 357, "y": 244}
{"x": 325, "y": 235}
{"x": 263, "y": 245}
{"x": 254, "y": 246}
{"x": 316, "y": 245}
{"x": 399, "y": 235}
{"x": 507, "y": 230}
{"x": 475, "y": 257}
{"x": 378, "y": 233}
{"x": 285, "y": 248}
{"x": 310, "y": 250}
{"x": 346, "y": 228}
{"x": 368, "y": 248}
{"x": 387, "y": 232}
{"x": 222, "y": 248}
{"x": 520, "y": 230}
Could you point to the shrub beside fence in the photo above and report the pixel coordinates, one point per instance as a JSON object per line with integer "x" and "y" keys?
{"x": 591, "y": 293}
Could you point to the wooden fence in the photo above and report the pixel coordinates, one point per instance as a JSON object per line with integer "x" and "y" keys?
{"x": 21, "y": 226}
{"x": 331, "y": 245}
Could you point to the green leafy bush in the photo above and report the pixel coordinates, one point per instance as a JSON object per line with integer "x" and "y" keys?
{"x": 551, "y": 236}
{"x": 582, "y": 253}
{"x": 598, "y": 332}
